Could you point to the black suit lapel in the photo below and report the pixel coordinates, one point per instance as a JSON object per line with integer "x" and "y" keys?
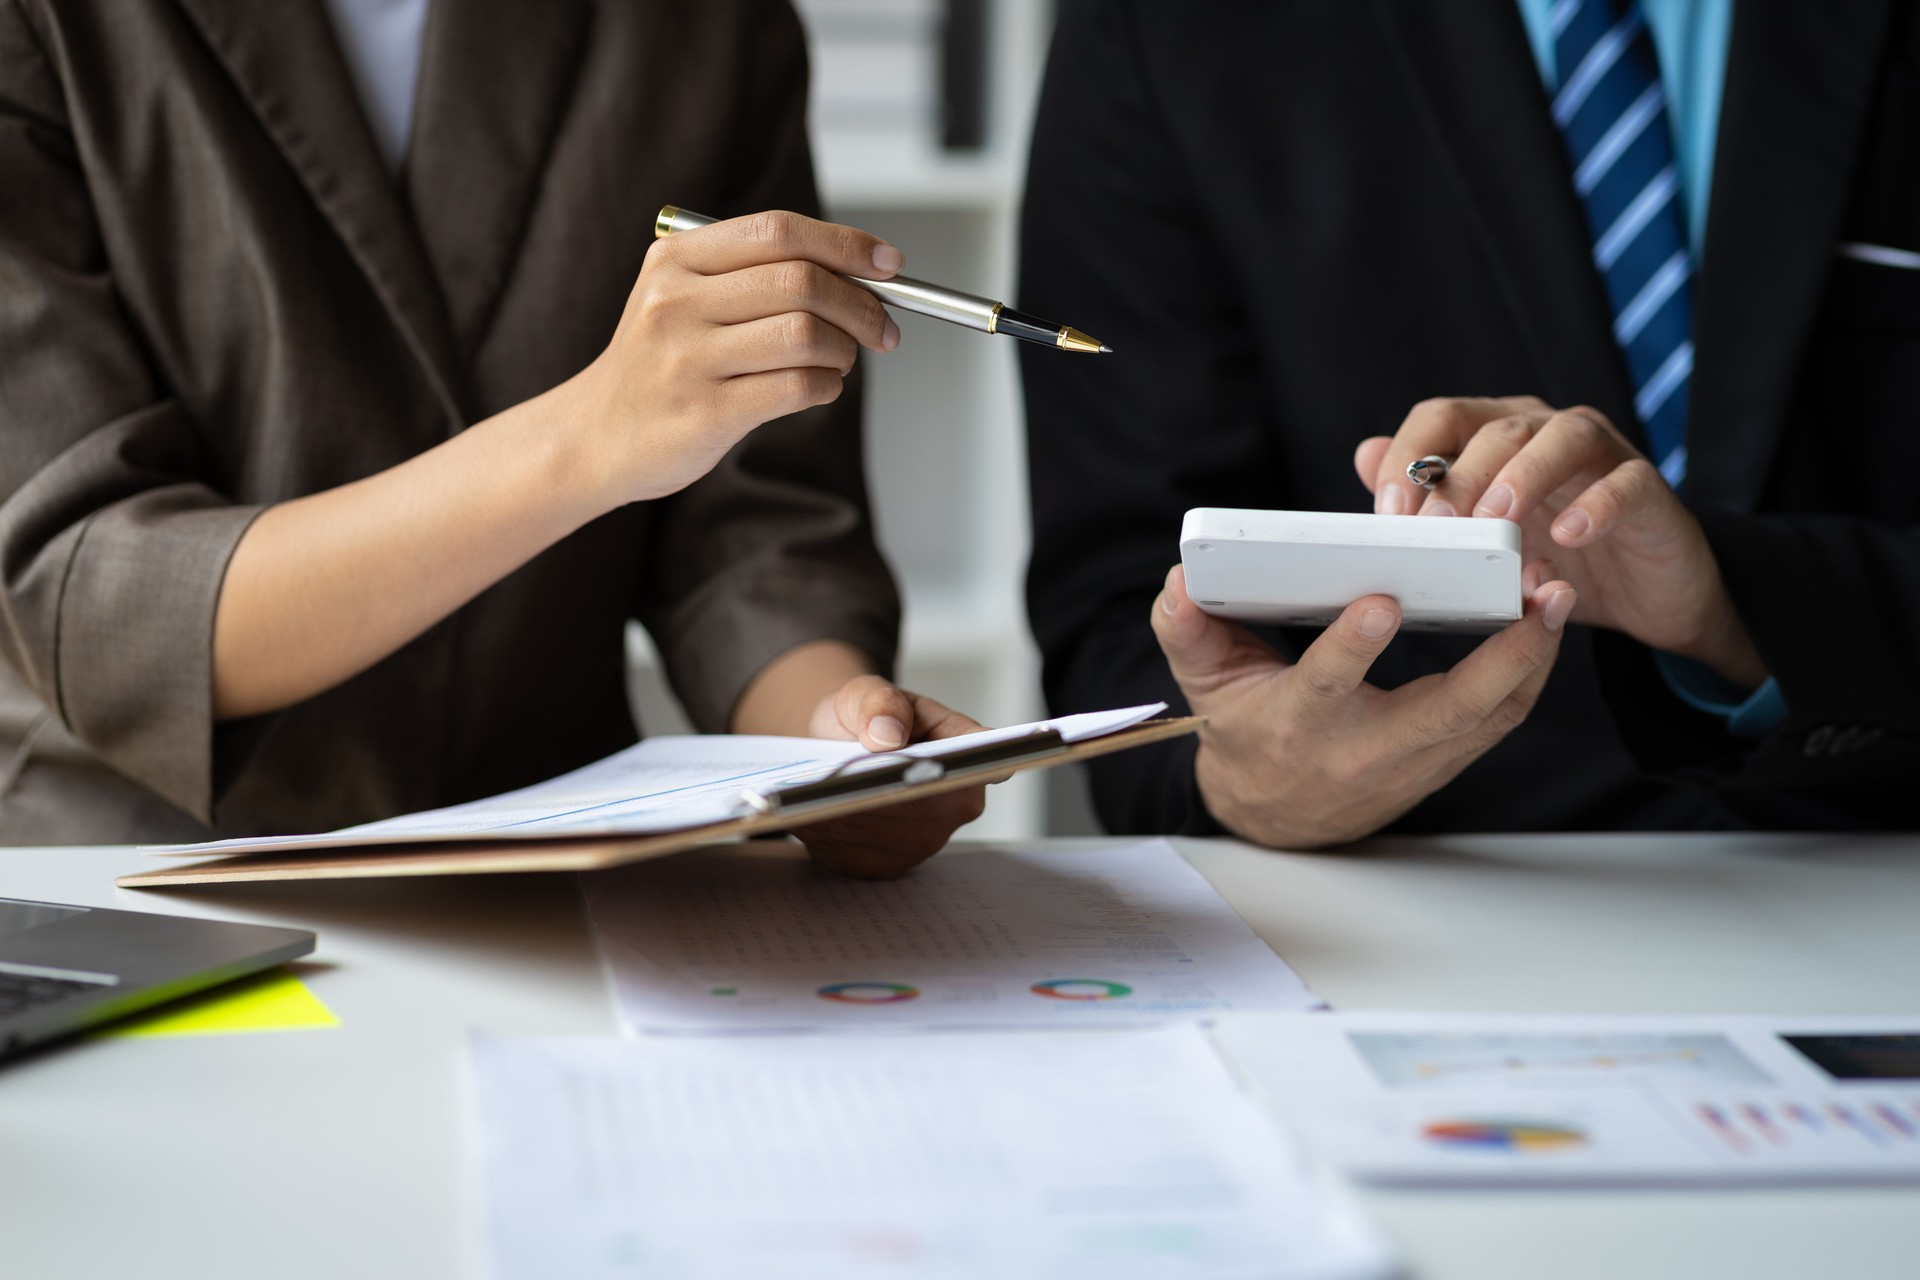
{"x": 1800, "y": 80}
{"x": 287, "y": 64}
{"x": 495, "y": 82}
{"x": 1474, "y": 76}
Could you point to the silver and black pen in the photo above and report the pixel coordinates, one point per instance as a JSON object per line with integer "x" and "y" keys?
{"x": 925, "y": 299}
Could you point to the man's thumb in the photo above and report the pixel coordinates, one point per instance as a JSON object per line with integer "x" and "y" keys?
{"x": 1197, "y": 645}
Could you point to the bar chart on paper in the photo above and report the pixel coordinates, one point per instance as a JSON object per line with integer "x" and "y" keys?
{"x": 1780, "y": 1128}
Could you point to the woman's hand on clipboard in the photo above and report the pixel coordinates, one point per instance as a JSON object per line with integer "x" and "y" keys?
{"x": 884, "y": 843}
{"x": 829, "y": 689}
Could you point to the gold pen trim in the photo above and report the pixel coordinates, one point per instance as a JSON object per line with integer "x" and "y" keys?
{"x": 993, "y": 318}
{"x": 1071, "y": 339}
{"x": 663, "y": 221}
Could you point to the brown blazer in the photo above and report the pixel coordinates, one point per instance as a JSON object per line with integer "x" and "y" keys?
{"x": 215, "y": 296}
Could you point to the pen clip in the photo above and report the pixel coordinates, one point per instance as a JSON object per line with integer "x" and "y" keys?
{"x": 904, "y": 772}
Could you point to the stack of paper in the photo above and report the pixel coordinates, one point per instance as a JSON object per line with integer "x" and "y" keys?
{"x": 991, "y": 937}
{"x": 1049, "y": 1155}
{"x": 1484, "y": 1098}
{"x": 1121, "y": 1147}
{"x": 1028, "y": 1062}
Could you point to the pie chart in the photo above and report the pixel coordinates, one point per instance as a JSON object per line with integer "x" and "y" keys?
{"x": 868, "y": 992}
{"x": 1524, "y": 1136}
{"x": 1081, "y": 989}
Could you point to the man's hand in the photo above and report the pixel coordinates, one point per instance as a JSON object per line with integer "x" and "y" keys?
{"x": 1304, "y": 754}
{"x": 883, "y": 843}
{"x": 1590, "y": 508}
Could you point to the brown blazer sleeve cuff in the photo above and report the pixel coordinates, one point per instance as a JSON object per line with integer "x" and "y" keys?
{"x": 135, "y": 638}
{"x": 716, "y": 643}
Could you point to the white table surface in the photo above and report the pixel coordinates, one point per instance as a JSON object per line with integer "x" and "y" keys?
{"x": 338, "y": 1152}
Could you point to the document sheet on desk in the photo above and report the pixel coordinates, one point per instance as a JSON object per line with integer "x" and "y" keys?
{"x": 724, "y": 940}
{"x": 655, "y": 786}
{"x": 1055, "y": 1155}
{"x": 1446, "y": 1098}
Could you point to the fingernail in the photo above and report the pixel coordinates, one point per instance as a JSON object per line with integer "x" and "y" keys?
{"x": 890, "y": 336}
{"x": 1572, "y": 525}
{"x": 1375, "y": 623}
{"x": 1393, "y": 500}
{"x": 1496, "y": 502}
{"x": 887, "y": 732}
{"x": 1559, "y": 605}
{"x": 1437, "y": 507}
{"x": 887, "y": 258}
{"x": 1166, "y": 603}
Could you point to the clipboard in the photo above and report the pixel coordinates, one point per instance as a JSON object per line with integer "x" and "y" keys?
{"x": 774, "y": 811}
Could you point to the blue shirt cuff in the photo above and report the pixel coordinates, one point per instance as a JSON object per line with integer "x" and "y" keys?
{"x": 1748, "y": 715}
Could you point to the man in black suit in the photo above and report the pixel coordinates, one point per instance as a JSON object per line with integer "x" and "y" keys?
{"x": 1292, "y": 221}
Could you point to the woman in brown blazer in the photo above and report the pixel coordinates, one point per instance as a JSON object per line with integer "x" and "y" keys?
{"x": 326, "y": 491}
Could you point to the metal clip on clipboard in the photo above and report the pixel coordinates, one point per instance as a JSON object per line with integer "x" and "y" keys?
{"x": 903, "y": 773}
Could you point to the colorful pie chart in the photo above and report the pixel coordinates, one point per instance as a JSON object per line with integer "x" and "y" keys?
{"x": 868, "y": 992}
{"x": 1081, "y": 989}
{"x": 1526, "y": 1136}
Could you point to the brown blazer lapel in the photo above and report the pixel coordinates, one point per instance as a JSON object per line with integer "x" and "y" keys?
{"x": 495, "y": 83}
{"x": 287, "y": 64}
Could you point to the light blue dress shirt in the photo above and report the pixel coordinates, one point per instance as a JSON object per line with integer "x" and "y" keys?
{"x": 381, "y": 42}
{"x": 1690, "y": 39}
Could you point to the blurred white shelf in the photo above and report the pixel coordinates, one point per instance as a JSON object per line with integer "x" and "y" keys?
{"x": 945, "y": 454}
{"x": 942, "y": 634}
{"x": 956, "y": 626}
{"x": 945, "y": 457}
{"x": 858, "y": 172}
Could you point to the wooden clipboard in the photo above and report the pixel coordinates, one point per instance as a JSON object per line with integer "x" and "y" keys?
{"x": 781, "y": 811}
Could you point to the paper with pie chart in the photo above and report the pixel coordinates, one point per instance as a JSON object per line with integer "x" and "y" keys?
{"x": 997, "y": 936}
{"x": 1422, "y": 1097}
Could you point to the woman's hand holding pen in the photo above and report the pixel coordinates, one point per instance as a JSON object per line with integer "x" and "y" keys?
{"x": 728, "y": 327}
{"x": 1591, "y": 509}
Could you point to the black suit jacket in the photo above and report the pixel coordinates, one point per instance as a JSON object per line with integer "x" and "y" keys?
{"x": 1294, "y": 220}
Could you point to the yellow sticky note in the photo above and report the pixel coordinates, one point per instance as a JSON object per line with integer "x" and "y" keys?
{"x": 273, "y": 1001}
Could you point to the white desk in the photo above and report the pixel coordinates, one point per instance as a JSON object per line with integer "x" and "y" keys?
{"x": 334, "y": 1153}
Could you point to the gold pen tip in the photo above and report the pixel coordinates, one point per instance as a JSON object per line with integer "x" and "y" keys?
{"x": 1071, "y": 339}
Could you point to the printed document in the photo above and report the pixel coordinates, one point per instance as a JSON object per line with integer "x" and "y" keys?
{"x": 1421, "y": 1097}
{"x": 724, "y": 939}
{"x": 659, "y": 785}
{"x": 1020, "y": 1156}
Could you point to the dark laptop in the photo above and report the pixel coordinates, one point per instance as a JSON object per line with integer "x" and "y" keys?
{"x": 64, "y": 969}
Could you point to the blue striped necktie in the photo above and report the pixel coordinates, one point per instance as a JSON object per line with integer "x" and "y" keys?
{"x": 1612, "y": 112}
